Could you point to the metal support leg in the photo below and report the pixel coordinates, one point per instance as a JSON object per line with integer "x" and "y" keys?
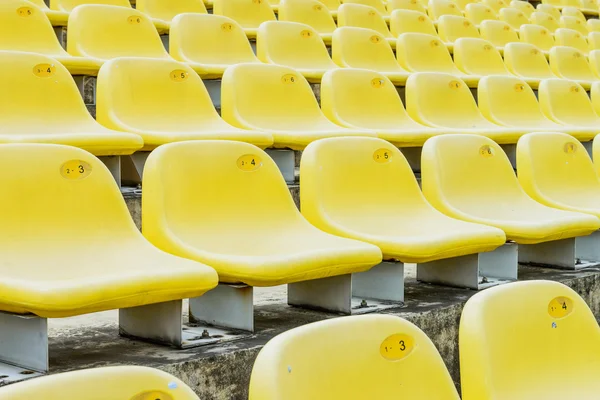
{"x": 329, "y": 294}
{"x": 553, "y": 254}
{"x": 285, "y": 160}
{"x": 253, "y": 45}
{"x": 382, "y": 282}
{"x": 113, "y": 163}
{"x": 61, "y": 35}
{"x": 511, "y": 153}
{"x": 132, "y": 168}
{"x": 213, "y": 86}
{"x": 165, "y": 41}
{"x": 230, "y": 306}
{"x": 589, "y": 148}
{"x": 413, "y": 156}
{"x": 587, "y": 250}
{"x": 23, "y": 346}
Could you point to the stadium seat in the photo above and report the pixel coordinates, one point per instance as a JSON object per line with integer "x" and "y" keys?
{"x": 394, "y": 216}
{"x": 573, "y": 12}
{"x": 567, "y": 103}
{"x": 479, "y": 12}
{"x": 418, "y": 52}
{"x": 593, "y": 39}
{"x": 469, "y": 177}
{"x": 125, "y": 382}
{"x": 406, "y": 21}
{"x": 544, "y": 19}
{"x": 162, "y": 12}
{"x": 438, "y": 8}
{"x": 69, "y": 5}
{"x": 553, "y": 332}
{"x": 498, "y": 33}
{"x": 510, "y": 102}
{"x": 309, "y": 12}
{"x": 294, "y": 45}
{"x": 106, "y": 32}
{"x": 478, "y": 57}
{"x": 413, "y": 5}
{"x": 593, "y": 25}
{"x": 594, "y": 62}
{"x": 57, "y": 18}
{"x": 452, "y": 27}
{"x": 549, "y": 9}
{"x": 365, "y": 48}
{"x": 41, "y": 104}
{"x": 573, "y": 23}
{"x": 366, "y": 100}
{"x": 310, "y": 351}
{"x": 570, "y": 63}
{"x": 249, "y": 14}
{"x": 495, "y": 5}
{"x": 360, "y": 16}
{"x": 444, "y": 101}
{"x": 278, "y": 100}
{"x": 527, "y": 62}
{"x": 379, "y": 5}
{"x": 524, "y": 6}
{"x": 34, "y": 33}
{"x": 588, "y": 7}
{"x": 332, "y": 6}
{"x": 145, "y": 96}
{"x": 571, "y": 38}
{"x": 188, "y": 182}
{"x": 209, "y": 58}
{"x": 462, "y": 4}
{"x": 513, "y": 17}
{"x": 538, "y": 36}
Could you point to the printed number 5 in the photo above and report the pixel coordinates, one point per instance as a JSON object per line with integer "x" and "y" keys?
{"x": 385, "y": 155}
{"x": 402, "y": 345}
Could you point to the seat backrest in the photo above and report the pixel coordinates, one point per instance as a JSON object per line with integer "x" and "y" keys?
{"x": 209, "y": 39}
{"x": 462, "y": 4}
{"x": 594, "y": 62}
{"x": 404, "y": 21}
{"x": 554, "y": 333}
{"x": 595, "y": 97}
{"x": 549, "y": 9}
{"x": 513, "y": 16}
{"x": 129, "y": 382}
{"x": 588, "y": 5}
{"x": 478, "y": 57}
{"x": 150, "y": 94}
{"x": 507, "y": 100}
{"x": 293, "y": 44}
{"x": 434, "y": 98}
{"x": 419, "y": 52}
{"x": 370, "y": 370}
{"x": 332, "y": 5}
{"x": 247, "y": 13}
{"x": 25, "y": 27}
{"x": 107, "y": 32}
{"x": 566, "y": 102}
{"x": 571, "y": 38}
{"x": 362, "y": 48}
{"x": 437, "y": 8}
{"x": 452, "y": 27}
{"x": 254, "y": 93}
{"x": 309, "y": 12}
{"x": 525, "y": 6}
{"x": 376, "y": 4}
{"x": 361, "y": 16}
{"x": 570, "y": 63}
{"x": 574, "y": 23}
{"x": 536, "y": 35}
{"x": 498, "y": 33}
{"x": 495, "y": 5}
{"x": 167, "y": 10}
{"x": 360, "y": 97}
{"x": 526, "y": 60}
{"x": 478, "y": 12}
{"x": 573, "y": 12}
{"x": 69, "y": 5}
{"x": 544, "y": 19}
{"x": 593, "y": 39}
{"x": 414, "y": 5}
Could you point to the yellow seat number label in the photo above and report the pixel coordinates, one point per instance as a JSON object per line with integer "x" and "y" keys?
{"x": 24, "y": 11}
{"x": 179, "y": 75}
{"x": 382, "y": 156}
{"x": 43, "y": 70}
{"x": 134, "y": 19}
{"x": 249, "y": 162}
{"x": 570, "y": 148}
{"x": 486, "y": 151}
{"x": 75, "y": 169}
{"x": 560, "y": 307}
{"x": 396, "y": 347}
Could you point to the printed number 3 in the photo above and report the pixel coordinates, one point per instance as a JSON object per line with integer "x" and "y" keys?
{"x": 401, "y": 343}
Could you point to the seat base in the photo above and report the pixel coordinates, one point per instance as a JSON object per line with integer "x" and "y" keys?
{"x": 573, "y": 253}
{"x": 473, "y": 271}
{"x": 227, "y": 305}
{"x": 23, "y": 346}
{"x": 286, "y": 162}
{"x": 377, "y": 289}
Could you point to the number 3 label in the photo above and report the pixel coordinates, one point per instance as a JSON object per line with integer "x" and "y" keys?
{"x": 396, "y": 347}
{"x": 75, "y": 169}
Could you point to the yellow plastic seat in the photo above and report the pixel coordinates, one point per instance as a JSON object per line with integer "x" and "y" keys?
{"x": 595, "y": 97}
{"x": 573, "y": 23}
{"x": 184, "y": 184}
{"x": 495, "y": 5}
{"x": 57, "y": 18}
{"x": 549, "y": 9}
{"x": 438, "y": 8}
{"x": 527, "y": 62}
{"x": 394, "y": 216}
{"x": 538, "y": 36}
{"x": 588, "y": 7}
{"x": 412, "y": 5}
{"x": 573, "y": 12}
{"x": 366, "y": 100}
{"x": 106, "y": 265}
{"x": 147, "y": 96}
{"x": 107, "y": 32}
{"x": 43, "y": 105}
{"x": 510, "y": 102}
{"x": 452, "y": 27}
{"x": 418, "y": 52}
{"x": 332, "y": 6}
{"x": 405, "y": 21}
{"x": 34, "y": 33}
{"x": 294, "y": 45}
{"x": 309, "y": 12}
{"x": 367, "y": 49}
{"x": 571, "y": 38}
{"x": 593, "y": 25}
{"x": 277, "y": 100}
{"x": 228, "y": 44}
{"x": 513, "y": 17}
{"x": 556, "y": 170}
{"x": 469, "y": 177}
{"x": 498, "y": 33}
{"x": 125, "y": 382}
{"x": 567, "y": 103}
{"x": 444, "y": 101}
{"x": 162, "y": 12}
{"x": 594, "y": 62}
{"x": 379, "y": 5}
{"x": 570, "y": 63}
{"x": 360, "y": 16}
{"x": 524, "y": 6}
{"x": 593, "y": 39}
{"x": 544, "y": 19}
{"x": 479, "y": 12}
{"x": 558, "y": 342}
{"x": 478, "y": 57}
{"x": 310, "y": 352}
{"x": 69, "y": 5}
{"x": 249, "y": 14}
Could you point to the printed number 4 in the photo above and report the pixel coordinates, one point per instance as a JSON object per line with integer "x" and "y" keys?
{"x": 564, "y": 306}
